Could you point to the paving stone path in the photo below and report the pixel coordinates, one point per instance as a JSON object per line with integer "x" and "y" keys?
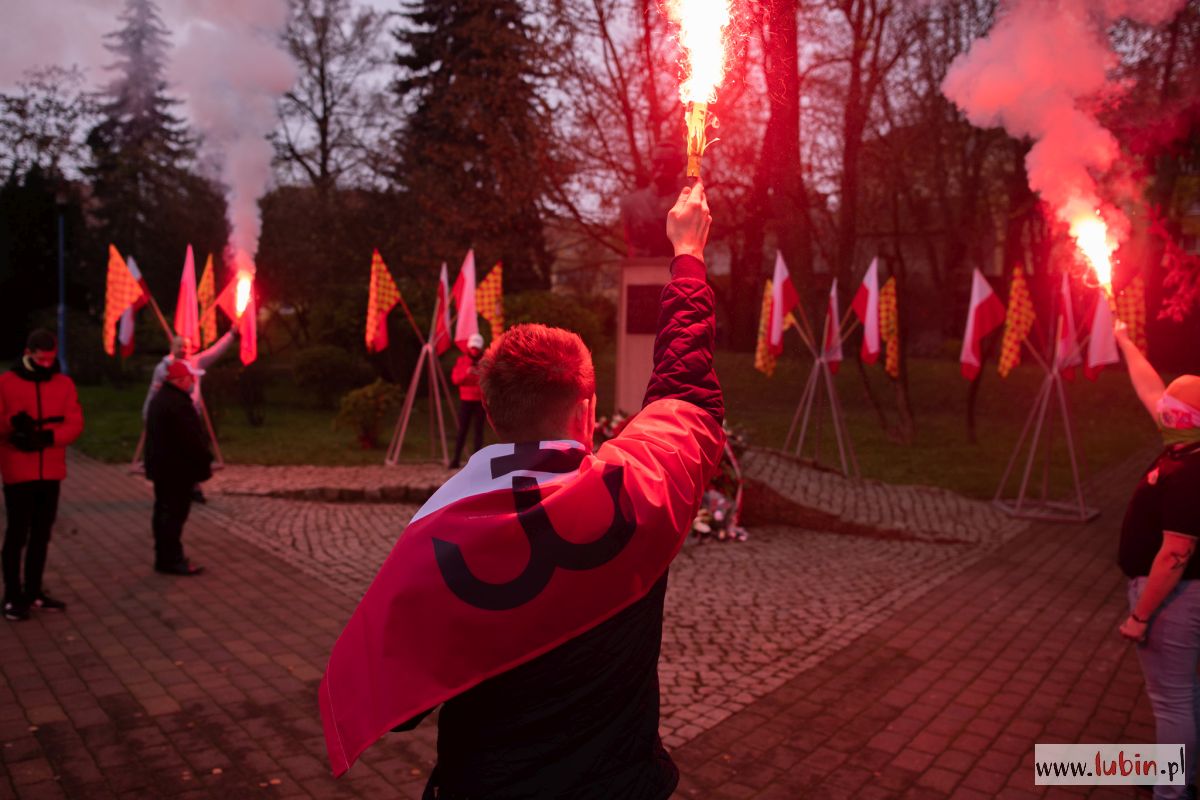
{"x": 744, "y": 617}
{"x": 799, "y": 664}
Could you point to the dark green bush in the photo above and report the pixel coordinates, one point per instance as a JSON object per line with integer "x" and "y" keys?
{"x": 558, "y": 311}
{"x": 326, "y": 372}
{"x": 364, "y": 410}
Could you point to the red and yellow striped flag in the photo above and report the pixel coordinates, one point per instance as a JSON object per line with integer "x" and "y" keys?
{"x": 889, "y": 326}
{"x": 1131, "y": 309}
{"x": 489, "y": 299}
{"x": 121, "y": 291}
{"x": 206, "y": 294}
{"x": 1018, "y": 322}
{"x": 382, "y": 298}
{"x": 764, "y": 359}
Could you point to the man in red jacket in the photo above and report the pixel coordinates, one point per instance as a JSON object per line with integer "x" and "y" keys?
{"x": 39, "y": 417}
{"x": 526, "y": 596}
{"x": 466, "y": 377}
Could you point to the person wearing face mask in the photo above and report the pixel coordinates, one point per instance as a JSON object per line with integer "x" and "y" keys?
{"x": 1158, "y": 542}
{"x": 470, "y": 411}
{"x": 39, "y": 417}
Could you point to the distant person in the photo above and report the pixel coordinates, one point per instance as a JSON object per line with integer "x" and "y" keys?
{"x": 39, "y": 417}
{"x": 1157, "y": 549}
{"x": 526, "y": 596}
{"x": 470, "y": 410}
{"x": 177, "y": 459}
{"x": 182, "y": 348}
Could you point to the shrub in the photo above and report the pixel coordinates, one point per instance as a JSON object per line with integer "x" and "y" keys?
{"x": 325, "y": 372}
{"x": 558, "y": 311}
{"x": 364, "y": 410}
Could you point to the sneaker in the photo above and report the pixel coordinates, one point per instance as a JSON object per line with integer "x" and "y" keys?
{"x": 44, "y": 602}
{"x": 16, "y": 612}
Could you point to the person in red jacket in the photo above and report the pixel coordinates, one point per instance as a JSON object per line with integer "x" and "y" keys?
{"x": 39, "y": 417}
{"x": 466, "y": 377}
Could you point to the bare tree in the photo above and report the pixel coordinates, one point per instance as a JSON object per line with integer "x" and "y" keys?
{"x": 333, "y": 118}
{"x": 44, "y": 121}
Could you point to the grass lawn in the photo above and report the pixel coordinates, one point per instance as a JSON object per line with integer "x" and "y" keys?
{"x": 1109, "y": 423}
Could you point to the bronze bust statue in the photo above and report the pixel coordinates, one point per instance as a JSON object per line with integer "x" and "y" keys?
{"x": 643, "y": 211}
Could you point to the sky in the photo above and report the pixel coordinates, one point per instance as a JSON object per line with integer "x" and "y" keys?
{"x": 62, "y": 32}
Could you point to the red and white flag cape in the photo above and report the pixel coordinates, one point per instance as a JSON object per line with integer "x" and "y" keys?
{"x": 467, "y": 323}
{"x": 1102, "y": 346}
{"x": 466, "y": 594}
{"x": 866, "y": 307}
{"x": 187, "y": 307}
{"x": 128, "y": 322}
{"x": 1069, "y": 356}
{"x": 832, "y": 341}
{"x": 441, "y": 315}
{"x": 784, "y": 298}
{"x": 985, "y": 314}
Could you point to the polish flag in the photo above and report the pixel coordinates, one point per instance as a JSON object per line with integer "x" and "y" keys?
{"x": 984, "y": 316}
{"x": 866, "y": 307}
{"x": 832, "y": 344}
{"x": 784, "y": 298}
{"x": 467, "y": 324}
{"x": 1069, "y": 356}
{"x": 127, "y": 323}
{"x": 441, "y": 314}
{"x": 187, "y": 308}
{"x": 1102, "y": 346}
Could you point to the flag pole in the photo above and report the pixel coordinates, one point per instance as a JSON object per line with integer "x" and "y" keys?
{"x": 411, "y": 321}
{"x": 162, "y": 319}
{"x": 804, "y": 337}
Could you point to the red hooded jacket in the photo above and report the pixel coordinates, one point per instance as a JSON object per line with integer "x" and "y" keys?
{"x": 50, "y": 399}
{"x": 466, "y": 378}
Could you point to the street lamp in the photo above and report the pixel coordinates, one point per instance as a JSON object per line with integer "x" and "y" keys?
{"x": 60, "y": 203}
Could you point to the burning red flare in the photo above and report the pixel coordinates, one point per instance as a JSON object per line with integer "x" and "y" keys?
{"x": 244, "y": 284}
{"x": 1092, "y": 239}
{"x": 702, "y": 31}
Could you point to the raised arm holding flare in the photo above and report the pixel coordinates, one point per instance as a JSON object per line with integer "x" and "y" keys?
{"x": 526, "y": 597}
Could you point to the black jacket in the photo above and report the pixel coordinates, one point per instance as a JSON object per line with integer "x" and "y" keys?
{"x": 176, "y": 445}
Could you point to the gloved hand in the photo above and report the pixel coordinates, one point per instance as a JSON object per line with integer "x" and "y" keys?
{"x": 25, "y": 435}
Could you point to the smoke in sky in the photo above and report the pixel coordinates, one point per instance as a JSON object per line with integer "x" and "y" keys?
{"x": 230, "y": 71}
{"x": 1034, "y": 74}
{"x": 225, "y": 64}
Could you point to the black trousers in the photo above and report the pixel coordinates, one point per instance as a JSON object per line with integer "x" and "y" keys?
{"x": 468, "y": 411}
{"x": 172, "y": 502}
{"x": 31, "y": 508}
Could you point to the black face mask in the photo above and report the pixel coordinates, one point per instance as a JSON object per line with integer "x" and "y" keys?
{"x": 36, "y": 369}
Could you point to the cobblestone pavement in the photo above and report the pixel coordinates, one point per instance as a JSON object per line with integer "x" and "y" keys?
{"x": 802, "y": 594}
{"x": 798, "y": 664}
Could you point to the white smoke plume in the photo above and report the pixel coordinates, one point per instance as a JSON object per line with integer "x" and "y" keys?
{"x": 225, "y": 63}
{"x": 231, "y": 70}
{"x": 1034, "y": 74}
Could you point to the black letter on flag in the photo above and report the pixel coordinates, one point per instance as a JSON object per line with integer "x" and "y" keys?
{"x": 547, "y": 550}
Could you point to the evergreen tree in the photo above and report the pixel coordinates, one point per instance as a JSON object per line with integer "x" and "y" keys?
{"x": 151, "y": 203}
{"x": 475, "y": 154}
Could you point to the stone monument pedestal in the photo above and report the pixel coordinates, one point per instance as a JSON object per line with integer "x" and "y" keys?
{"x": 642, "y": 281}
